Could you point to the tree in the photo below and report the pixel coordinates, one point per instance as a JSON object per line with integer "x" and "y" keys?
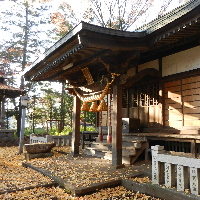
{"x": 122, "y": 14}
{"x": 64, "y": 19}
{"x": 24, "y": 22}
{"x": 51, "y": 105}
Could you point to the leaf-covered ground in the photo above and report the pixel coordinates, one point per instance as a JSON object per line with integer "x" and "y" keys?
{"x": 15, "y": 177}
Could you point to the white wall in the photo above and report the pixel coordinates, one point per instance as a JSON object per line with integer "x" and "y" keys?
{"x": 151, "y": 64}
{"x": 182, "y": 61}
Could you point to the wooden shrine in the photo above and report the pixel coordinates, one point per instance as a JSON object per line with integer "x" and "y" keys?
{"x": 151, "y": 74}
{"x": 6, "y": 91}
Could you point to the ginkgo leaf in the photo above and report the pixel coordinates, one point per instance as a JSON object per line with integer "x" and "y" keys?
{"x": 79, "y": 171}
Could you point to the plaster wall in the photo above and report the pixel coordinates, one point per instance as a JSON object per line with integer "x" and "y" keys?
{"x": 151, "y": 64}
{"x": 181, "y": 62}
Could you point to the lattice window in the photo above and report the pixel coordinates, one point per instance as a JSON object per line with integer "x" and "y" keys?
{"x": 143, "y": 95}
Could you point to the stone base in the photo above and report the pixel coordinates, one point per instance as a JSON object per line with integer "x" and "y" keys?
{"x": 29, "y": 156}
{"x": 39, "y": 147}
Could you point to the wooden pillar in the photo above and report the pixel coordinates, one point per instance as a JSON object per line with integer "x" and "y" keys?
{"x": 117, "y": 124}
{"x": 76, "y": 126}
{"x": 193, "y": 148}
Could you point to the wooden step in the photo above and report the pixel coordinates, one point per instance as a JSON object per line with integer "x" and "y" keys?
{"x": 129, "y": 153}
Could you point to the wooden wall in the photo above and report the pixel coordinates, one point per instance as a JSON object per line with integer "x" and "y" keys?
{"x": 173, "y": 104}
{"x": 180, "y": 106}
{"x": 150, "y": 116}
{"x": 182, "y": 102}
{"x": 144, "y": 104}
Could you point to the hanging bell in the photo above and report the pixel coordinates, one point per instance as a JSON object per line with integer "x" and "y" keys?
{"x": 84, "y": 107}
{"x": 93, "y": 107}
{"x": 102, "y": 106}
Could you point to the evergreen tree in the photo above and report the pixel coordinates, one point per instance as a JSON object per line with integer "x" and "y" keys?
{"x": 25, "y": 25}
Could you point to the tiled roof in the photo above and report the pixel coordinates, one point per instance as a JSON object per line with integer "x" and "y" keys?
{"x": 169, "y": 17}
{"x": 7, "y": 87}
{"x": 9, "y": 91}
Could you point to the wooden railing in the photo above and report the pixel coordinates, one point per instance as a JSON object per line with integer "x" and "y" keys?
{"x": 171, "y": 170}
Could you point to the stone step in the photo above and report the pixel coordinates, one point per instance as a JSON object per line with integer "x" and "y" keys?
{"x": 100, "y": 153}
{"x": 125, "y": 141}
{"x": 133, "y": 138}
{"x": 130, "y": 148}
{"x": 102, "y": 145}
{"x": 126, "y": 159}
{"x": 107, "y": 154}
{"x": 108, "y": 146}
{"x": 89, "y": 151}
{"x": 132, "y": 144}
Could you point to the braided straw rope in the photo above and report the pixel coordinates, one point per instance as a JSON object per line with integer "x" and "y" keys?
{"x": 96, "y": 97}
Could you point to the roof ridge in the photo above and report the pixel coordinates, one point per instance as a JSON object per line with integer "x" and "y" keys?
{"x": 148, "y": 26}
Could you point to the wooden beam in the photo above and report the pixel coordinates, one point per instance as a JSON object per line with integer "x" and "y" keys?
{"x": 117, "y": 124}
{"x": 76, "y": 126}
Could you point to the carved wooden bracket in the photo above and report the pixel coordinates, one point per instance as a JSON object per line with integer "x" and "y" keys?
{"x": 119, "y": 62}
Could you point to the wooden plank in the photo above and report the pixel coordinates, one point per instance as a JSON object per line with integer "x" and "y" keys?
{"x": 173, "y": 100}
{"x": 173, "y": 106}
{"x": 172, "y": 84}
{"x": 189, "y": 86}
{"x": 174, "y": 117}
{"x": 124, "y": 113}
{"x": 186, "y": 80}
{"x": 155, "y": 114}
{"x": 191, "y": 122}
{"x": 189, "y": 117}
{"x": 191, "y": 98}
{"x": 143, "y": 116}
{"x": 193, "y": 91}
{"x": 193, "y": 85}
{"x": 168, "y": 84}
{"x": 191, "y": 104}
{"x": 135, "y": 112}
{"x": 174, "y": 123}
{"x": 173, "y": 88}
{"x": 170, "y": 94}
{"x": 192, "y": 116}
{"x": 195, "y": 78}
{"x": 198, "y": 84}
{"x": 186, "y": 86}
{"x": 192, "y": 110}
{"x": 175, "y": 111}
{"x": 175, "y": 83}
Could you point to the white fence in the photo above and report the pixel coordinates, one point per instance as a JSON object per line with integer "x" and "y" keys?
{"x": 175, "y": 171}
{"x": 62, "y": 140}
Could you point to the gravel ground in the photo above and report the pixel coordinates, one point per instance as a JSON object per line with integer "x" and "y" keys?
{"x": 78, "y": 171}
